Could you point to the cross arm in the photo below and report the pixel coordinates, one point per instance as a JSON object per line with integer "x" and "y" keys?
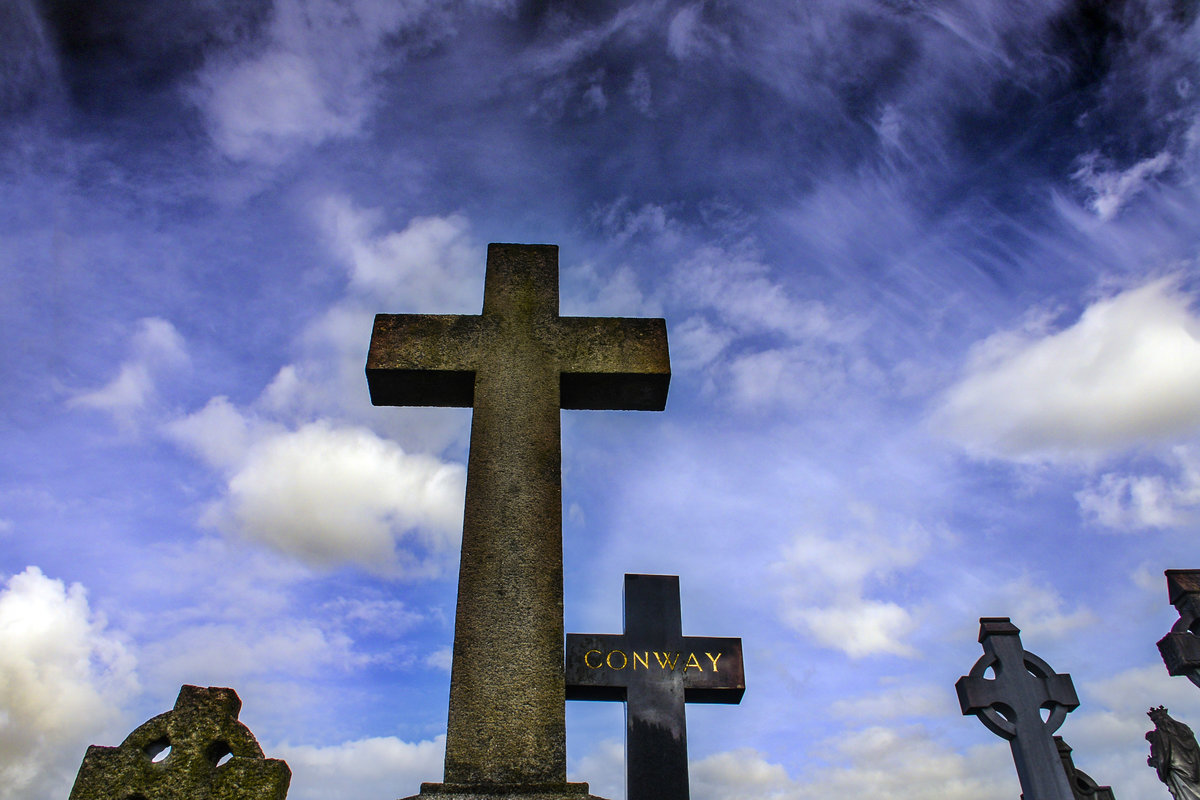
{"x": 721, "y": 677}
{"x": 614, "y": 363}
{"x": 588, "y": 675}
{"x": 423, "y": 360}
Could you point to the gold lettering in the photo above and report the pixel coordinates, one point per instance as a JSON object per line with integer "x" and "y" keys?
{"x": 608, "y": 660}
{"x": 642, "y": 658}
{"x": 714, "y": 659}
{"x": 691, "y": 662}
{"x": 589, "y": 664}
{"x": 664, "y": 660}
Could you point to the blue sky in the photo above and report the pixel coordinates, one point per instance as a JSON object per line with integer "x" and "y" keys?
{"x": 930, "y": 277}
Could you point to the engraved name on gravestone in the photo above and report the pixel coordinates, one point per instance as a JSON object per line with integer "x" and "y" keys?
{"x": 655, "y": 670}
{"x": 516, "y": 364}
{"x": 1010, "y": 704}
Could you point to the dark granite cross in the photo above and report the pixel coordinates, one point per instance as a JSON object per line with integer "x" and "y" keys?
{"x": 516, "y": 364}
{"x": 1010, "y": 705}
{"x": 655, "y": 669}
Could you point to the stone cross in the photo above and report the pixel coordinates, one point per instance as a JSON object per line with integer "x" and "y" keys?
{"x": 1180, "y": 649}
{"x": 1010, "y": 704}
{"x": 209, "y": 755}
{"x": 516, "y": 365}
{"x": 655, "y": 669}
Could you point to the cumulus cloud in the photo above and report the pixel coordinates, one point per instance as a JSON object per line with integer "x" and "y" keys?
{"x": 1125, "y": 373}
{"x": 1127, "y": 501}
{"x": 63, "y": 677}
{"x": 224, "y": 653}
{"x": 1038, "y": 610}
{"x": 302, "y": 471}
{"x": 155, "y": 347}
{"x": 878, "y": 761}
{"x": 603, "y": 769}
{"x": 381, "y": 766}
{"x": 329, "y": 495}
{"x": 423, "y": 268}
{"x": 897, "y": 702}
{"x": 825, "y": 580}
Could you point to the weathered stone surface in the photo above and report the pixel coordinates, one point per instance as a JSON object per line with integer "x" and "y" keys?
{"x": 1009, "y": 705}
{"x": 1180, "y": 649}
{"x": 200, "y": 731}
{"x": 517, "y": 364}
{"x": 654, "y": 669}
{"x": 1174, "y": 755}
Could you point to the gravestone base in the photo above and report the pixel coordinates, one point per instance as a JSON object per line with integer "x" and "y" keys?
{"x": 541, "y": 791}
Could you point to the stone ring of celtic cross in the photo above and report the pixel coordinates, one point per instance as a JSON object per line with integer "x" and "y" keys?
{"x": 997, "y": 722}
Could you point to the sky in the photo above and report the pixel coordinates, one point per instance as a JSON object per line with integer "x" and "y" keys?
{"x": 929, "y": 273}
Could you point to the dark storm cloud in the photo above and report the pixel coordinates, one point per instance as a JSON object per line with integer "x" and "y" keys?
{"x": 758, "y": 103}
{"x": 108, "y": 50}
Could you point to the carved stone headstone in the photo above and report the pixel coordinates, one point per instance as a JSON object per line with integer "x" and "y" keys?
{"x": 516, "y": 364}
{"x": 1180, "y": 649}
{"x": 209, "y": 755}
{"x": 1009, "y": 705}
{"x": 654, "y": 669}
{"x": 1174, "y": 755}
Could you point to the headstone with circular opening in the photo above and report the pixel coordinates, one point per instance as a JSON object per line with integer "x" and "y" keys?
{"x": 1010, "y": 705}
{"x": 197, "y": 751}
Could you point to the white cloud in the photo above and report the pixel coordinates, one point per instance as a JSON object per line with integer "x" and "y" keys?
{"x": 440, "y": 659}
{"x": 427, "y": 267}
{"x": 893, "y": 762}
{"x": 156, "y": 346}
{"x": 311, "y": 80}
{"x": 603, "y": 769}
{"x": 1127, "y": 372}
{"x": 1042, "y": 611}
{"x": 1133, "y": 502}
{"x": 227, "y": 653}
{"x": 904, "y": 701}
{"x": 380, "y": 766}
{"x": 329, "y": 495}
{"x": 62, "y": 680}
{"x": 825, "y": 579}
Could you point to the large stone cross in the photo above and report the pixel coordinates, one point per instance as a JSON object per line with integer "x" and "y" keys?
{"x": 1010, "y": 704}
{"x": 655, "y": 669}
{"x": 516, "y": 365}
